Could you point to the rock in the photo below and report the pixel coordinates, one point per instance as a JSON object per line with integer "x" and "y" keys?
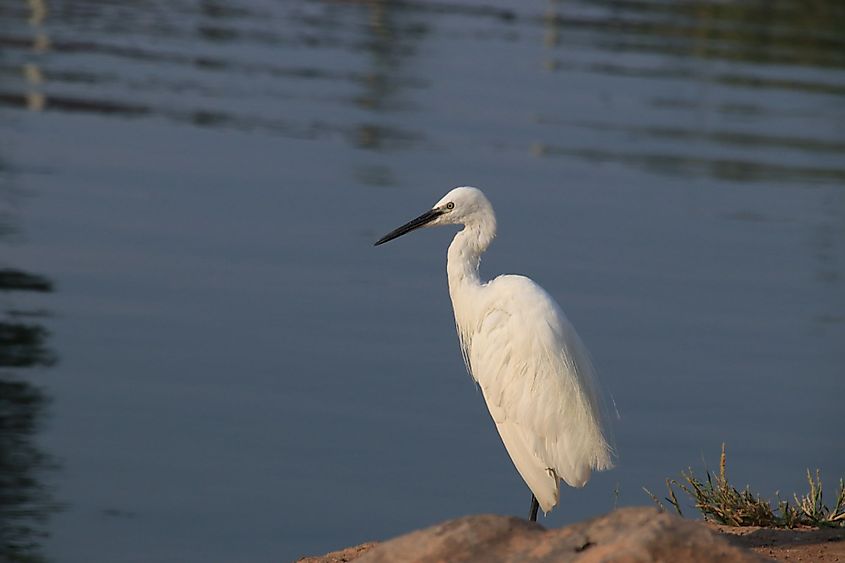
{"x": 819, "y": 545}
{"x": 641, "y": 534}
{"x": 341, "y": 556}
{"x": 472, "y": 538}
{"x": 625, "y": 535}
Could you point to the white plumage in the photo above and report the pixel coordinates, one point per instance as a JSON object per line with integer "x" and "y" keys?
{"x": 533, "y": 370}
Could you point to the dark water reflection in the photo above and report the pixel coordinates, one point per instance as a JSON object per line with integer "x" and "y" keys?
{"x": 26, "y": 501}
{"x": 244, "y": 378}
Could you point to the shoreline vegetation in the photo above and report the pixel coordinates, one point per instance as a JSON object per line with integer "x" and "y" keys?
{"x": 720, "y": 502}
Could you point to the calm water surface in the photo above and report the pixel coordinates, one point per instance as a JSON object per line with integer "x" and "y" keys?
{"x": 204, "y": 358}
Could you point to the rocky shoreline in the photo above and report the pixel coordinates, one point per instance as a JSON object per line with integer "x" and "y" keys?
{"x": 627, "y": 534}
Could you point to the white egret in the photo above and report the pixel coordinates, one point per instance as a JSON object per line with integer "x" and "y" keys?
{"x": 532, "y": 368}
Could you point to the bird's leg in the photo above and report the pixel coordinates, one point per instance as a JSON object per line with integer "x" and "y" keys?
{"x": 534, "y": 506}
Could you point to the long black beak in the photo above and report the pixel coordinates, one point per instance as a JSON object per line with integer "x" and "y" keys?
{"x": 420, "y": 221}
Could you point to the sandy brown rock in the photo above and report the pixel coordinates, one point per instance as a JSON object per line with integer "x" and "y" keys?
{"x": 630, "y": 534}
{"x": 625, "y": 535}
{"x": 471, "y": 538}
{"x": 804, "y": 544}
{"x": 340, "y": 556}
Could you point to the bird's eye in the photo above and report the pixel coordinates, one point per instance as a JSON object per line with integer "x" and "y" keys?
{"x": 450, "y": 205}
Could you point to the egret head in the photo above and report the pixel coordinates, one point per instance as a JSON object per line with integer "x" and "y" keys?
{"x": 461, "y": 206}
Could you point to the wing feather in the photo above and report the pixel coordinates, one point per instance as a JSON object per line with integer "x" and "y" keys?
{"x": 539, "y": 385}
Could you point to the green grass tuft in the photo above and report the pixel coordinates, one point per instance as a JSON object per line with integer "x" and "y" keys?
{"x": 721, "y": 502}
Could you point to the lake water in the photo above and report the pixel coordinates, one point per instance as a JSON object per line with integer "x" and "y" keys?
{"x": 205, "y": 359}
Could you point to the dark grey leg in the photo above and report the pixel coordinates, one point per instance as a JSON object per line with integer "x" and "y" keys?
{"x": 534, "y": 506}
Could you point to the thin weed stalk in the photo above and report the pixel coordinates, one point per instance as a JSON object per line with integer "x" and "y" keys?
{"x": 719, "y": 501}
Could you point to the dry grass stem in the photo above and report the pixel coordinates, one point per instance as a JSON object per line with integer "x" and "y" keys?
{"x": 721, "y": 502}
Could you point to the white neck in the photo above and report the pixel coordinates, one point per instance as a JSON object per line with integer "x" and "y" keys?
{"x": 464, "y": 284}
{"x": 465, "y": 254}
